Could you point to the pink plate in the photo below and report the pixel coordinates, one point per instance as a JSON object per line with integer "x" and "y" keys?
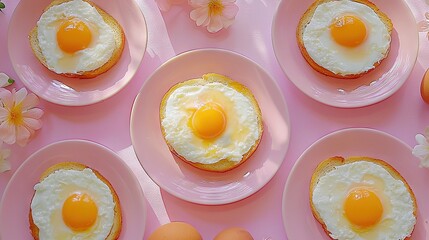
{"x": 371, "y": 88}
{"x": 73, "y": 91}
{"x": 15, "y": 204}
{"x": 183, "y": 180}
{"x": 298, "y": 220}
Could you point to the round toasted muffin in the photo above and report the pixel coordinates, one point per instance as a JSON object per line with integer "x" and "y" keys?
{"x": 344, "y": 38}
{"x": 73, "y": 200}
{"x": 212, "y": 123}
{"x": 70, "y": 46}
{"x": 362, "y": 198}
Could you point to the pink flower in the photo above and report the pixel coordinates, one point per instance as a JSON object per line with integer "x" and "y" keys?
{"x": 213, "y": 14}
{"x": 18, "y": 116}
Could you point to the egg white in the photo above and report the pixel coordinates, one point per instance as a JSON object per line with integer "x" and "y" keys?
{"x": 339, "y": 59}
{"x": 46, "y": 206}
{"x": 397, "y": 221}
{"x": 98, "y": 52}
{"x": 241, "y": 130}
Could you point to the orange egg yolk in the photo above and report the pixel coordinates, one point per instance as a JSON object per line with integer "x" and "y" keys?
{"x": 363, "y": 208}
{"x": 209, "y": 121}
{"x": 73, "y": 35}
{"x": 79, "y": 212}
{"x": 348, "y": 31}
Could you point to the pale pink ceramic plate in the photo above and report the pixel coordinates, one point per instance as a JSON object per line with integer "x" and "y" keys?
{"x": 298, "y": 220}
{"x": 73, "y": 91}
{"x": 15, "y": 204}
{"x": 371, "y": 88}
{"x": 181, "y": 179}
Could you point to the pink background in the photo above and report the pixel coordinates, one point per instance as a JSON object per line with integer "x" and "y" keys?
{"x": 402, "y": 115}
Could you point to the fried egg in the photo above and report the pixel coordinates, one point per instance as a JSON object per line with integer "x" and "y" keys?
{"x": 72, "y": 204}
{"x": 206, "y": 123}
{"x": 73, "y": 37}
{"x": 361, "y": 200}
{"x": 346, "y": 37}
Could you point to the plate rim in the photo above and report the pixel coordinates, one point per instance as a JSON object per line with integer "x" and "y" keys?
{"x": 92, "y": 144}
{"x": 87, "y": 102}
{"x": 199, "y": 51}
{"x": 309, "y": 94}
{"x": 293, "y": 171}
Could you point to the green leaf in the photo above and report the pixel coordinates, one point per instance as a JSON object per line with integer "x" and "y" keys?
{"x": 2, "y": 5}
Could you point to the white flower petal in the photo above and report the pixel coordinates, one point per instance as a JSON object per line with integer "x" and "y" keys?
{"x": 35, "y": 113}
{"x": 20, "y": 95}
{"x": 33, "y": 124}
{"x": 230, "y": 12}
{"x": 4, "y": 77}
{"x": 30, "y": 101}
{"x": 7, "y": 133}
{"x": 200, "y": 16}
{"x": 22, "y": 136}
{"x": 420, "y": 139}
{"x": 227, "y": 22}
{"x": 420, "y": 151}
{"x": 215, "y": 24}
{"x": 4, "y": 80}
{"x": 6, "y": 98}
{"x": 4, "y": 113}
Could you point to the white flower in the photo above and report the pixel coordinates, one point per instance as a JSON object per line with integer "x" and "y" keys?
{"x": 213, "y": 14}
{"x": 18, "y": 116}
{"x": 4, "y": 155}
{"x": 5, "y": 80}
{"x": 421, "y": 150}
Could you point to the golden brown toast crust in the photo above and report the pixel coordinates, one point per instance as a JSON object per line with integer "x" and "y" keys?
{"x": 119, "y": 40}
{"x": 329, "y": 164}
{"x": 224, "y": 164}
{"x": 117, "y": 223}
{"x": 306, "y": 18}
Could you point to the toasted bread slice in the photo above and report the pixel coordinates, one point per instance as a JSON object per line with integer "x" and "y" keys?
{"x": 331, "y": 163}
{"x": 306, "y": 18}
{"x": 224, "y": 164}
{"x": 119, "y": 40}
{"x": 117, "y": 220}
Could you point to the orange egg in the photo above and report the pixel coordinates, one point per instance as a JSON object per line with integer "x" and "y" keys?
{"x": 73, "y": 35}
{"x": 234, "y": 233}
{"x": 209, "y": 121}
{"x": 424, "y": 87}
{"x": 363, "y": 207}
{"x": 175, "y": 231}
{"x": 349, "y": 31}
{"x": 79, "y": 211}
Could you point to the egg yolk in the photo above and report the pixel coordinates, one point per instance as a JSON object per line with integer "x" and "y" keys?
{"x": 209, "y": 121}
{"x": 363, "y": 208}
{"x": 73, "y": 35}
{"x": 79, "y": 211}
{"x": 348, "y": 31}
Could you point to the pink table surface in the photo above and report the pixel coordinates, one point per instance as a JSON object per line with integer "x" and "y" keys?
{"x": 402, "y": 115}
